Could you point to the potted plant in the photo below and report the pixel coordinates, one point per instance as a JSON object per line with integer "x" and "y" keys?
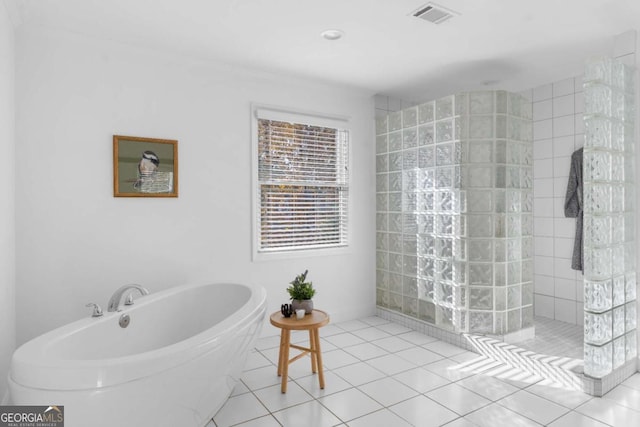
{"x": 301, "y": 293}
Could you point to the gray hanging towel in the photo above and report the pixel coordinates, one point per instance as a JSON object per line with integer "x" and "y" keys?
{"x": 573, "y": 206}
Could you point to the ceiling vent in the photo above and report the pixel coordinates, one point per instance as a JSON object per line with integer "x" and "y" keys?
{"x": 434, "y": 13}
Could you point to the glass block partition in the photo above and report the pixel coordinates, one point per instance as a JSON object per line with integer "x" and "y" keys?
{"x": 454, "y": 212}
{"x": 609, "y": 217}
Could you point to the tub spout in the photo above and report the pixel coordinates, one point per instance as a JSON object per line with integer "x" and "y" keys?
{"x": 114, "y": 301}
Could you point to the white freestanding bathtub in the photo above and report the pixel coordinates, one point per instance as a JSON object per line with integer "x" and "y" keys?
{"x": 174, "y": 365}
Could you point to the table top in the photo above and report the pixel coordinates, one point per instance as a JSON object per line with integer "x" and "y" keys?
{"x": 316, "y": 319}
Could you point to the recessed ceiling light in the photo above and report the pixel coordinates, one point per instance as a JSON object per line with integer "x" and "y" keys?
{"x": 332, "y": 34}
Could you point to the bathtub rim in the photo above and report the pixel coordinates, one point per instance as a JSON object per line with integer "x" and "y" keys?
{"x": 32, "y": 369}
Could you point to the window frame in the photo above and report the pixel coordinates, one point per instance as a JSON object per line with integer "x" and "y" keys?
{"x": 268, "y": 112}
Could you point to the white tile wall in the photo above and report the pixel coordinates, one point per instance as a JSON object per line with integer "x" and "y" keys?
{"x": 558, "y": 131}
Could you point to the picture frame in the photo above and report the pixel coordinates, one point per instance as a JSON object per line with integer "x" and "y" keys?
{"x": 145, "y": 167}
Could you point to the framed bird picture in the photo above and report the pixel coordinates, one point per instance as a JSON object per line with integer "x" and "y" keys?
{"x": 145, "y": 167}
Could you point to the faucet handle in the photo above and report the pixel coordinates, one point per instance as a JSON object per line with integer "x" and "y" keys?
{"x": 97, "y": 310}
{"x": 129, "y": 299}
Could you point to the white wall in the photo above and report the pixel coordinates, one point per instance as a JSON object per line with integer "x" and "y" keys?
{"x": 558, "y": 130}
{"x": 7, "y": 204}
{"x": 77, "y": 243}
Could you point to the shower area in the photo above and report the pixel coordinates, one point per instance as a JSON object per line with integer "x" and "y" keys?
{"x": 455, "y": 202}
{"x": 455, "y": 221}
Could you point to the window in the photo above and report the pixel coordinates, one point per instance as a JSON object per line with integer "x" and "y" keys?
{"x": 302, "y": 181}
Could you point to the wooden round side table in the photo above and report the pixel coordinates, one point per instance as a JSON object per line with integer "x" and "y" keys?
{"x": 311, "y": 322}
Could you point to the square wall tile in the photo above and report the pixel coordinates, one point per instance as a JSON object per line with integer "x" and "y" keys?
{"x": 563, "y": 87}
{"x": 562, "y": 167}
{"x": 542, "y": 187}
{"x": 541, "y": 93}
{"x": 565, "y": 310}
{"x": 560, "y": 186}
{"x": 543, "y": 265}
{"x": 542, "y": 129}
{"x": 544, "y": 306}
{"x": 563, "y": 146}
{"x": 563, "y": 247}
{"x": 564, "y": 227}
{"x": 562, "y": 268}
{"x": 565, "y": 289}
{"x": 543, "y": 149}
{"x": 543, "y": 285}
{"x": 542, "y": 110}
{"x": 543, "y": 207}
{"x": 543, "y": 245}
{"x": 543, "y": 168}
{"x": 543, "y": 227}
{"x": 564, "y": 125}
{"x": 563, "y": 105}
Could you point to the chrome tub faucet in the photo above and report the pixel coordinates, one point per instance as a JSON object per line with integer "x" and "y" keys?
{"x": 114, "y": 301}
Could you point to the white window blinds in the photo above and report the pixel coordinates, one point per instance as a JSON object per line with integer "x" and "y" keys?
{"x": 302, "y": 185}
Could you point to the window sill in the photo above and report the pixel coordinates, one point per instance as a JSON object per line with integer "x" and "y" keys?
{"x": 302, "y": 253}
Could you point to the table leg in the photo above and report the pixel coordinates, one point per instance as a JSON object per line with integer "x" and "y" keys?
{"x": 316, "y": 341}
{"x": 281, "y": 352}
{"x": 285, "y": 360}
{"x": 312, "y": 346}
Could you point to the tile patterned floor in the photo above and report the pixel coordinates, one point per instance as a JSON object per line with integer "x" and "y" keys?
{"x": 556, "y": 338}
{"x": 378, "y": 373}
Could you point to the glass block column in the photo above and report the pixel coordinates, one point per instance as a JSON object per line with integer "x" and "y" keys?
{"x": 454, "y": 212}
{"x": 609, "y": 217}
{"x": 498, "y": 212}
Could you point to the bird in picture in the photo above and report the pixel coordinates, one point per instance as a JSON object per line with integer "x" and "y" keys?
{"x": 147, "y": 166}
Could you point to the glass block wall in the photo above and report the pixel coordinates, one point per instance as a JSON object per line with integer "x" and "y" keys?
{"x": 609, "y": 217}
{"x": 454, "y": 212}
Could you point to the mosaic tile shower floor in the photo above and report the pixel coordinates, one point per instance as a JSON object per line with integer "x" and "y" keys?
{"x": 556, "y": 338}
{"x": 379, "y": 373}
